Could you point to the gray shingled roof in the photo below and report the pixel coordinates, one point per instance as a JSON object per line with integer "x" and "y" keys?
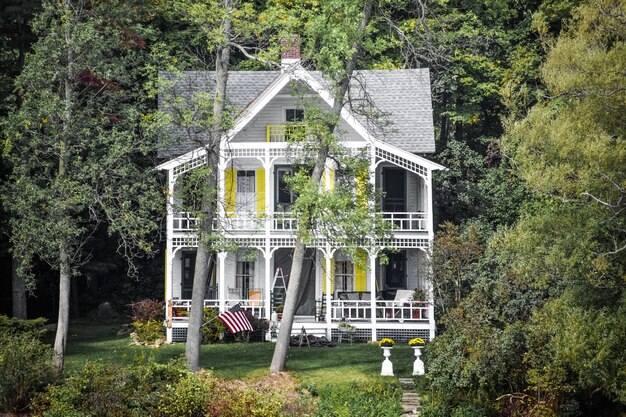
{"x": 401, "y": 102}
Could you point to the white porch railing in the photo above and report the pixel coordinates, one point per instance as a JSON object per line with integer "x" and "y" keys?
{"x": 398, "y": 311}
{"x": 406, "y": 221}
{"x": 252, "y": 221}
{"x": 180, "y": 308}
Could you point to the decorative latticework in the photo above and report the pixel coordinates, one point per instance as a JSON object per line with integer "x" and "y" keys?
{"x": 245, "y": 153}
{"x": 185, "y": 242}
{"x": 402, "y": 162}
{"x": 404, "y": 243}
{"x": 250, "y": 242}
{"x": 189, "y": 165}
{"x": 403, "y": 335}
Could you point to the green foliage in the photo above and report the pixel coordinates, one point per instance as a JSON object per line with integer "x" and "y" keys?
{"x": 213, "y": 331}
{"x": 108, "y": 390}
{"x": 33, "y": 328}
{"x": 148, "y": 331}
{"x": 380, "y": 398}
{"x": 168, "y": 390}
{"x": 25, "y": 367}
{"x": 77, "y": 158}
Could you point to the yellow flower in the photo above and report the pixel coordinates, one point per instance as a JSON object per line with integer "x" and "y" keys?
{"x": 417, "y": 342}
{"x": 386, "y": 342}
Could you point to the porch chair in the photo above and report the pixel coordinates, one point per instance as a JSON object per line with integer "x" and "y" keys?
{"x": 402, "y": 296}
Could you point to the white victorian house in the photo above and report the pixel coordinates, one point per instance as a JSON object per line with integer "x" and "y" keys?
{"x": 254, "y": 212}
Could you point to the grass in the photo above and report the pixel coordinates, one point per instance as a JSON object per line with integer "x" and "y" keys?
{"x": 346, "y": 362}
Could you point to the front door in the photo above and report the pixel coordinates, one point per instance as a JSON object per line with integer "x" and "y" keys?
{"x": 394, "y": 187}
{"x": 395, "y": 271}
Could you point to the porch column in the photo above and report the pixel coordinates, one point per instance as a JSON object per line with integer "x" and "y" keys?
{"x": 431, "y": 298}
{"x": 327, "y": 259}
{"x": 373, "y": 292}
{"x": 429, "y": 206}
{"x": 169, "y": 253}
{"x": 267, "y": 254}
{"x": 221, "y": 265}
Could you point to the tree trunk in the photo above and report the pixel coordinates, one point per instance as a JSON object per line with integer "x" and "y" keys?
{"x": 279, "y": 358}
{"x": 64, "y": 247}
{"x": 18, "y": 291}
{"x": 64, "y": 309}
{"x": 203, "y": 256}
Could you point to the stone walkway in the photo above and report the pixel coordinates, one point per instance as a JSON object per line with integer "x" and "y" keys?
{"x": 410, "y": 399}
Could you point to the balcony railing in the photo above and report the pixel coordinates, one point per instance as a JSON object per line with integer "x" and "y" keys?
{"x": 250, "y": 221}
{"x": 398, "y": 311}
{"x": 407, "y": 221}
{"x": 180, "y": 308}
{"x": 285, "y": 132}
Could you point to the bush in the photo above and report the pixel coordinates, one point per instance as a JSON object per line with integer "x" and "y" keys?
{"x": 12, "y": 326}
{"x": 211, "y": 332}
{"x": 148, "y": 331}
{"x": 381, "y": 399}
{"x": 147, "y": 310}
{"x": 108, "y": 390}
{"x": 25, "y": 367}
{"x": 168, "y": 391}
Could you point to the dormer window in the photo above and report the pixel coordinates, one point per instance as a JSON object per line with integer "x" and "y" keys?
{"x": 294, "y": 115}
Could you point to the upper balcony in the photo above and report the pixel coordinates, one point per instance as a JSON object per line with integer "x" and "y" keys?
{"x": 285, "y": 132}
{"x": 286, "y": 222}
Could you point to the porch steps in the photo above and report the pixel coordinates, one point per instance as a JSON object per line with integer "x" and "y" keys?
{"x": 410, "y": 399}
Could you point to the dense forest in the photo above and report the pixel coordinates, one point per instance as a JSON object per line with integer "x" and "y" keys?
{"x": 529, "y": 261}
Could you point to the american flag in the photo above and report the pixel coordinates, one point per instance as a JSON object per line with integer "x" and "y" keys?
{"x": 235, "y": 319}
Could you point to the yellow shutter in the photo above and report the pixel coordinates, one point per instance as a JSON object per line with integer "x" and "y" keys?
{"x": 230, "y": 188}
{"x": 361, "y": 188}
{"x": 360, "y": 280}
{"x": 260, "y": 191}
{"x": 332, "y": 275}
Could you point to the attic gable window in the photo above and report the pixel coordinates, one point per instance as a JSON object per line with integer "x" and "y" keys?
{"x": 294, "y": 115}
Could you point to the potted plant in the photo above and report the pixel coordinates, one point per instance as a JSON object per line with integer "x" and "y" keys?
{"x": 346, "y": 328}
{"x": 279, "y": 311}
{"x": 417, "y": 344}
{"x": 386, "y": 344}
{"x": 419, "y": 296}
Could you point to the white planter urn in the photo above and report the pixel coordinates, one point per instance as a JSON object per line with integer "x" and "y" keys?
{"x": 387, "y": 368}
{"x": 418, "y": 365}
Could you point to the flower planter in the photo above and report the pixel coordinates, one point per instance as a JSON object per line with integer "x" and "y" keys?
{"x": 418, "y": 365}
{"x": 387, "y": 367}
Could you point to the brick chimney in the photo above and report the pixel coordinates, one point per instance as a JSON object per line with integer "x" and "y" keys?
{"x": 290, "y": 50}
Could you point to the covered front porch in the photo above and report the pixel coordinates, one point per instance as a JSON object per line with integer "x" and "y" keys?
{"x": 383, "y": 300}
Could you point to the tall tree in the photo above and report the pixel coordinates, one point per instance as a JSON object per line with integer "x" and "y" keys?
{"x": 341, "y": 69}
{"x": 77, "y": 155}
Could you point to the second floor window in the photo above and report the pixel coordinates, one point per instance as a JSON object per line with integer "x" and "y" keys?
{"x": 245, "y": 191}
{"x": 294, "y": 115}
{"x": 284, "y": 196}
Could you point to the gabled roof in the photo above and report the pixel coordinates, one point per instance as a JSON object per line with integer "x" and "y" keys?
{"x": 402, "y": 96}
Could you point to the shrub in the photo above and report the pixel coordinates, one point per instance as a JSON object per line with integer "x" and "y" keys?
{"x": 147, "y": 310}
{"x": 12, "y": 326}
{"x": 148, "y": 331}
{"x": 108, "y": 390}
{"x": 381, "y": 399}
{"x": 25, "y": 367}
{"x": 211, "y": 332}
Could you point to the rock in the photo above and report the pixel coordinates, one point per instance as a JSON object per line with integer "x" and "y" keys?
{"x": 105, "y": 311}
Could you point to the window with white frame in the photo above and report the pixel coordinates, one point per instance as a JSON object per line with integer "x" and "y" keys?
{"x": 294, "y": 115}
{"x": 344, "y": 276}
{"x": 245, "y": 191}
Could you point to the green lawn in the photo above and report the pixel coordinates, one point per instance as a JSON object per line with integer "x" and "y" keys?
{"x": 360, "y": 361}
